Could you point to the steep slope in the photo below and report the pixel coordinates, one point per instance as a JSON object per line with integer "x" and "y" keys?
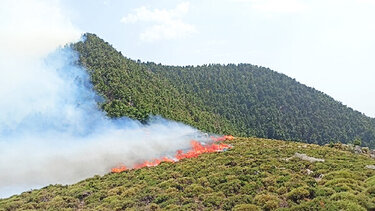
{"x": 254, "y": 174}
{"x": 242, "y": 99}
{"x": 132, "y": 90}
{"x": 264, "y": 103}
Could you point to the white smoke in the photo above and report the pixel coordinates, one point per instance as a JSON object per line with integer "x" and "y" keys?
{"x": 51, "y": 130}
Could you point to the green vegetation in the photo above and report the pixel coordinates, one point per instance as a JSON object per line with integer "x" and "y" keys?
{"x": 243, "y": 100}
{"x": 254, "y": 175}
{"x": 132, "y": 90}
{"x": 357, "y": 142}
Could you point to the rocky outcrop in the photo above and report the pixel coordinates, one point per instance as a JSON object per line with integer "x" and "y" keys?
{"x": 354, "y": 149}
{"x": 357, "y": 149}
{"x": 305, "y": 157}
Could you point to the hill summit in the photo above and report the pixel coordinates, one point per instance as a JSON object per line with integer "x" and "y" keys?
{"x": 243, "y": 99}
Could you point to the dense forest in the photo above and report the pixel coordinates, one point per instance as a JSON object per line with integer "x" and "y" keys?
{"x": 256, "y": 174}
{"x": 243, "y": 99}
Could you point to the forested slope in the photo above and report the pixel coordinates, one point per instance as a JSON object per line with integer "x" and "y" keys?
{"x": 242, "y": 99}
{"x": 131, "y": 89}
{"x": 264, "y": 103}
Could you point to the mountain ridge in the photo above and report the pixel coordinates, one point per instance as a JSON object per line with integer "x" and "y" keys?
{"x": 242, "y": 99}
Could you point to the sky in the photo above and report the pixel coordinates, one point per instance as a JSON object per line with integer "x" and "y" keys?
{"x": 325, "y": 44}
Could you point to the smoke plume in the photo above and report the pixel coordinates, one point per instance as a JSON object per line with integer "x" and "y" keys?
{"x": 51, "y": 130}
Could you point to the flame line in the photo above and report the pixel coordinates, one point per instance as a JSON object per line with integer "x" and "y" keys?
{"x": 197, "y": 149}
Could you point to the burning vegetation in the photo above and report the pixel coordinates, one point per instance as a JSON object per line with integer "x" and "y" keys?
{"x": 253, "y": 175}
{"x": 197, "y": 148}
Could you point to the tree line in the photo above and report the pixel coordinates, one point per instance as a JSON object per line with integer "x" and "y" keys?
{"x": 243, "y": 99}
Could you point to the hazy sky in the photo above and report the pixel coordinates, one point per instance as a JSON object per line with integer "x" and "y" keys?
{"x": 326, "y": 44}
{"x": 51, "y": 130}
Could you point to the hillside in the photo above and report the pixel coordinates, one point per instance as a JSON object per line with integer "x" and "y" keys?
{"x": 243, "y": 100}
{"x": 254, "y": 174}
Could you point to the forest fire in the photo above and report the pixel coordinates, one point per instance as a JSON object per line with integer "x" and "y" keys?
{"x": 222, "y": 138}
{"x": 197, "y": 149}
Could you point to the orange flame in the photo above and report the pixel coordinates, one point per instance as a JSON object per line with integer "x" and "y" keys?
{"x": 197, "y": 149}
{"x": 119, "y": 169}
{"x": 153, "y": 163}
{"x": 222, "y": 138}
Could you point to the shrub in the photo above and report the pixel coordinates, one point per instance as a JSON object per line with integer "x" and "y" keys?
{"x": 344, "y": 184}
{"x": 357, "y": 142}
{"x": 231, "y": 187}
{"x": 269, "y": 181}
{"x": 319, "y": 203}
{"x": 153, "y": 207}
{"x": 370, "y": 181}
{"x": 212, "y": 200}
{"x": 360, "y": 199}
{"x": 195, "y": 190}
{"x": 232, "y": 201}
{"x": 298, "y": 194}
{"x": 348, "y": 205}
{"x": 267, "y": 201}
{"x": 324, "y": 191}
{"x": 282, "y": 190}
{"x": 345, "y": 173}
{"x": 246, "y": 207}
{"x": 371, "y": 191}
